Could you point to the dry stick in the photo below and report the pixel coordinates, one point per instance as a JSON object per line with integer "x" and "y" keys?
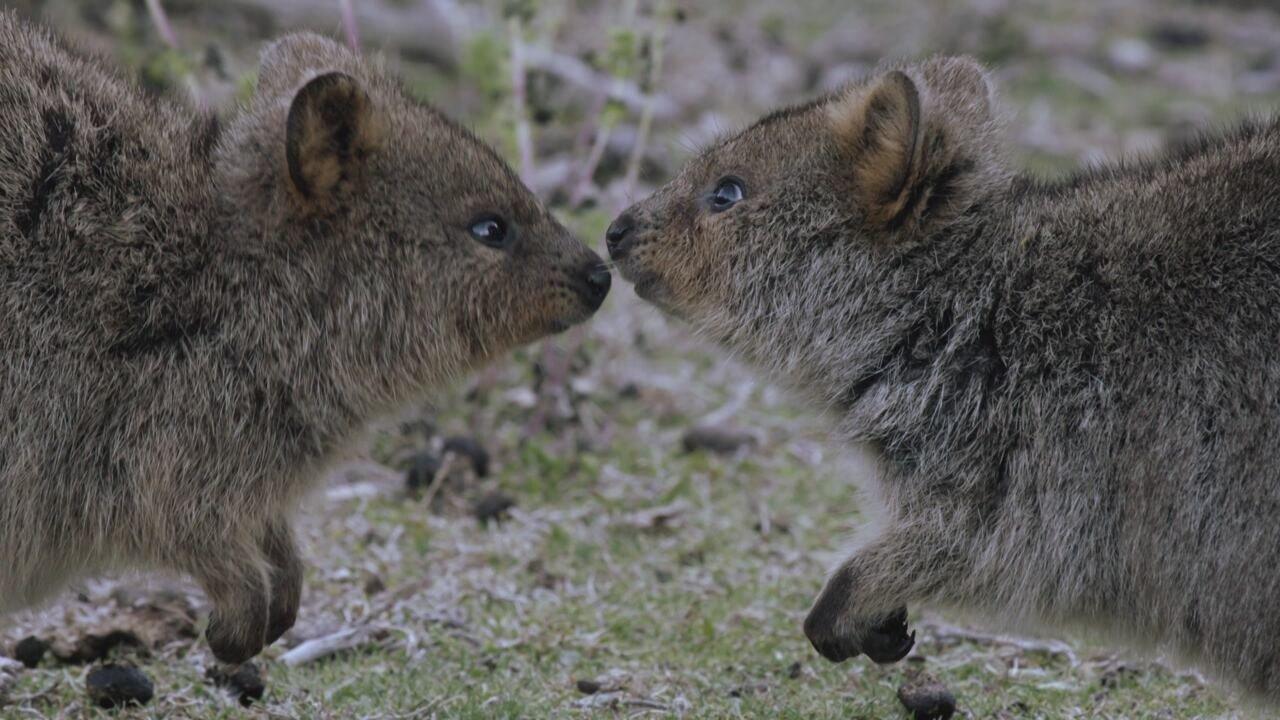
{"x": 519, "y": 99}
{"x": 646, "y": 115}
{"x": 436, "y": 481}
{"x": 162, "y": 24}
{"x": 349, "y": 25}
{"x": 576, "y": 72}
{"x": 586, "y": 171}
{"x": 317, "y": 648}
{"x": 170, "y": 38}
{"x": 1053, "y": 647}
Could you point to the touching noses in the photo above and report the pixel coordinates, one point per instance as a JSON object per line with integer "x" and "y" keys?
{"x": 595, "y": 285}
{"x": 619, "y": 235}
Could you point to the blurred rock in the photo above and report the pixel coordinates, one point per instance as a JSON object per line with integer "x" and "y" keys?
{"x": 493, "y": 507}
{"x": 1130, "y": 55}
{"x": 422, "y": 471}
{"x": 112, "y": 686}
{"x": 927, "y": 699}
{"x": 1179, "y": 34}
{"x": 521, "y": 397}
{"x": 30, "y": 651}
{"x": 470, "y": 449}
{"x": 244, "y": 682}
{"x": 374, "y": 585}
{"x": 716, "y": 439}
{"x": 92, "y": 647}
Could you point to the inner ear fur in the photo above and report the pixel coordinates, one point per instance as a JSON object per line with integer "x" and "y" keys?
{"x": 880, "y": 129}
{"x": 332, "y": 129}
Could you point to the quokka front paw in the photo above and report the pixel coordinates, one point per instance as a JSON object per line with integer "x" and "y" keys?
{"x": 233, "y": 642}
{"x": 884, "y": 639}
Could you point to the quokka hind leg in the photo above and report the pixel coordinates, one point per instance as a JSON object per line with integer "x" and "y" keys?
{"x": 236, "y": 582}
{"x": 285, "y": 576}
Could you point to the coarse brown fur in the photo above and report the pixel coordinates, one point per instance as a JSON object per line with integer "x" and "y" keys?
{"x": 196, "y": 319}
{"x": 1072, "y": 386}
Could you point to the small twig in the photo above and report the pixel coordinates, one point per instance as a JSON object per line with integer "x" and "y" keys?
{"x": 586, "y": 171}
{"x": 576, "y": 72}
{"x": 1053, "y": 647}
{"x": 646, "y": 114}
{"x": 323, "y": 647}
{"x": 37, "y": 695}
{"x": 349, "y": 25}
{"x": 520, "y": 99}
{"x": 161, "y": 21}
{"x": 437, "y": 480}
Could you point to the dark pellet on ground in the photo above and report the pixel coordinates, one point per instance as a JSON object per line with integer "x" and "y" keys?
{"x": 422, "y": 470}
{"x": 1176, "y": 35}
{"x": 795, "y": 670}
{"x": 112, "y": 686}
{"x": 244, "y": 682}
{"x": 92, "y": 647}
{"x": 30, "y": 651}
{"x": 722, "y": 441}
{"x": 465, "y": 447}
{"x": 493, "y": 506}
{"x": 374, "y": 585}
{"x": 927, "y": 700}
{"x": 588, "y": 687}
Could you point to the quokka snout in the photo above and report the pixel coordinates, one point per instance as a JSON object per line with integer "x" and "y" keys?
{"x": 1071, "y": 386}
{"x": 198, "y": 317}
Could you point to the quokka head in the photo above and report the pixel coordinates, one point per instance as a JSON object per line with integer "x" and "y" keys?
{"x": 409, "y": 227}
{"x": 818, "y": 206}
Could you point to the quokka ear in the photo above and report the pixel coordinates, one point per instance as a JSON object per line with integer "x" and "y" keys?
{"x": 880, "y": 130}
{"x": 920, "y": 146}
{"x": 332, "y": 129}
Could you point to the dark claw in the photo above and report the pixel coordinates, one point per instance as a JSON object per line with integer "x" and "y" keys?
{"x": 889, "y": 641}
{"x": 280, "y": 625}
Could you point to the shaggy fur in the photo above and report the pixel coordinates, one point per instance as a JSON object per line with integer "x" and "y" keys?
{"x": 1072, "y": 387}
{"x": 196, "y": 320}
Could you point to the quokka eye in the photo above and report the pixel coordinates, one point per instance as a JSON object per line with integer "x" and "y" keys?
{"x": 728, "y": 192}
{"x": 491, "y": 230}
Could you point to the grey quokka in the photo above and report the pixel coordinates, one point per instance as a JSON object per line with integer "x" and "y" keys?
{"x": 1071, "y": 386}
{"x": 195, "y": 318}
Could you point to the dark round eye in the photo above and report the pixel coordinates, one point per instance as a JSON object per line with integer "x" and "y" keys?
{"x": 727, "y": 194}
{"x": 490, "y": 230}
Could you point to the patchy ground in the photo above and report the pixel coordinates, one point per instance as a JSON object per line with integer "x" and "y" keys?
{"x": 600, "y": 566}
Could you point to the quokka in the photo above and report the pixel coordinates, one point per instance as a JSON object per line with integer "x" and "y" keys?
{"x": 194, "y": 319}
{"x": 1073, "y": 387}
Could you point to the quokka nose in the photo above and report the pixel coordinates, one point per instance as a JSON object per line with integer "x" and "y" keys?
{"x": 597, "y": 285}
{"x": 617, "y": 235}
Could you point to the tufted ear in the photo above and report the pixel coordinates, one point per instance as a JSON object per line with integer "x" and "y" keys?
{"x": 919, "y": 143}
{"x": 879, "y": 129}
{"x": 332, "y": 129}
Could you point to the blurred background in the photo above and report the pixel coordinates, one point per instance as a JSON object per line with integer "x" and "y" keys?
{"x": 621, "y": 521}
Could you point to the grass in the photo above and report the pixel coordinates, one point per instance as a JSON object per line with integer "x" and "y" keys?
{"x": 694, "y": 611}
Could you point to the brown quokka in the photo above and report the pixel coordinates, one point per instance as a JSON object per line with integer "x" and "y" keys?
{"x": 1072, "y": 386}
{"x": 193, "y": 321}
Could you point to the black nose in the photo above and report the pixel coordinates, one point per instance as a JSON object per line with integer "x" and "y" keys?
{"x": 597, "y": 286}
{"x": 618, "y": 234}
